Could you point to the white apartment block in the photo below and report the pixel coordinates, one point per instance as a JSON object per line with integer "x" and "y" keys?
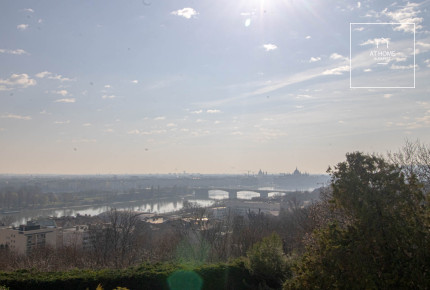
{"x": 25, "y": 238}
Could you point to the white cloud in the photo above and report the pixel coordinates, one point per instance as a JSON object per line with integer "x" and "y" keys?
{"x": 171, "y": 125}
{"x": 22, "y": 27}
{"x": 52, "y": 76}
{"x": 367, "y": 70}
{"x": 393, "y": 66}
{"x": 422, "y": 47}
{"x": 304, "y": 97}
{"x": 337, "y": 56}
{"x": 376, "y": 41}
{"x": 152, "y": 132}
{"x": 427, "y": 61}
{"x": 387, "y": 96}
{"x": 108, "y": 97}
{"x": 62, "y": 122}
{"x": 69, "y": 100}
{"x": 185, "y": 12}
{"x": 133, "y": 132}
{"x": 308, "y": 37}
{"x": 407, "y": 14}
{"x": 62, "y": 92}
{"x": 16, "y": 80}
{"x": 43, "y": 74}
{"x": 29, "y": 10}
{"x": 16, "y": 117}
{"x": 109, "y": 130}
{"x": 213, "y": 111}
{"x": 40, "y": 21}
{"x": 13, "y": 51}
{"x": 314, "y": 59}
{"x": 160, "y": 118}
{"x": 135, "y": 81}
{"x": 108, "y": 86}
{"x": 358, "y": 4}
{"x": 336, "y": 71}
{"x": 359, "y": 29}
{"x": 197, "y": 112}
{"x": 86, "y": 124}
{"x": 269, "y": 46}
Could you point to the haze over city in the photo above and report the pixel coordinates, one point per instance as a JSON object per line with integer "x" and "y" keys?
{"x": 130, "y": 87}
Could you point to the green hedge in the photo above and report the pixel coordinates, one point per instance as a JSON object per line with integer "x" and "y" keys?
{"x": 147, "y": 276}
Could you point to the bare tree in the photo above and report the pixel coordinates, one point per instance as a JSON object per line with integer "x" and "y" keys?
{"x": 414, "y": 160}
{"x": 114, "y": 243}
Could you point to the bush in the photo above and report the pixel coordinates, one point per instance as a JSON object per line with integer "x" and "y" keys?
{"x": 267, "y": 262}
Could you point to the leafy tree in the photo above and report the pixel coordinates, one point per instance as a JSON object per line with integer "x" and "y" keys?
{"x": 267, "y": 262}
{"x": 385, "y": 242}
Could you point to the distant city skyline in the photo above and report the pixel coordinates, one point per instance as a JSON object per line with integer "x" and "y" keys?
{"x": 147, "y": 87}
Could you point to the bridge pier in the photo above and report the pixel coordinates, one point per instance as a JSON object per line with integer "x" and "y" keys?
{"x": 232, "y": 194}
{"x": 201, "y": 193}
{"x": 263, "y": 194}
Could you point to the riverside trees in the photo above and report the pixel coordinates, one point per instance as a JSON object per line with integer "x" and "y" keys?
{"x": 381, "y": 238}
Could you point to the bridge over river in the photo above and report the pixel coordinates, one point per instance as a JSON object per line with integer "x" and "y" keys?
{"x": 203, "y": 193}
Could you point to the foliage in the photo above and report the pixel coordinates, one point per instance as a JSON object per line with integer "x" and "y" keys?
{"x": 385, "y": 244}
{"x": 145, "y": 276}
{"x": 267, "y": 262}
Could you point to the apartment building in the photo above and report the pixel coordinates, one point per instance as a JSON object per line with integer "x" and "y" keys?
{"x": 25, "y": 238}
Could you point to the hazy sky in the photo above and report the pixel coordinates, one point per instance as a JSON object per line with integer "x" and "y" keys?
{"x": 160, "y": 86}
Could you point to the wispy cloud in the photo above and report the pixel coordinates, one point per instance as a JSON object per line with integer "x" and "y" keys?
{"x": 135, "y": 81}
{"x": 336, "y": 56}
{"x": 185, "y": 12}
{"x": 68, "y": 100}
{"x": 407, "y": 14}
{"x": 62, "y": 122}
{"x": 108, "y": 97}
{"x": 13, "y": 51}
{"x": 160, "y": 118}
{"x": 314, "y": 59}
{"x": 152, "y": 132}
{"x": 197, "y": 112}
{"x": 16, "y": 80}
{"x": 52, "y": 76}
{"x": 270, "y": 46}
{"x": 29, "y": 10}
{"x": 308, "y": 37}
{"x": 16, "y": 117}
{"x": 62, "y": 92}
{"x": 336, "y": 71}
{"x": 213, "y": 111}
{"x": 376, "y": 41}
{"x": 22, "y": 27}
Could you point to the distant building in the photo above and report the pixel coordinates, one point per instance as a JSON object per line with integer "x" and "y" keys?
{"x": 78, "y": 237}
{"x": 25, "y": 238}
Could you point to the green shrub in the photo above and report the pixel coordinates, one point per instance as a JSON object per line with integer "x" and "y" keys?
{"x": 267, "y": 262}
